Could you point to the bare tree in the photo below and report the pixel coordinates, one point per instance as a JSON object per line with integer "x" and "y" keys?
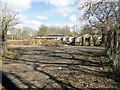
{"x": 7, "y": 19}
{"x": 100, "y": 12}
{"x": 26, "y": 32}
{"x": 75, "y": 30}
{"x": 106, "y": 14}
{"x": 44, "y": 30}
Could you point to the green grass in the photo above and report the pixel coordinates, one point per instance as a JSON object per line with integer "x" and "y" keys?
{"x": 69, "y": 81}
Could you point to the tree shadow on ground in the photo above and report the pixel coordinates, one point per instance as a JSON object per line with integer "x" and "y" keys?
{"x": 48, "y": 53}
{"x": 83, "y": 61}
{"x": 25, "y": 82}
{"x": 61, "y": 83}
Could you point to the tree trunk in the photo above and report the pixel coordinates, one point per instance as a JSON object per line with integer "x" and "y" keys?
{"x": 1, "y": 47}
{"x": 89, "y": 41}
{"x": 114, "y": 48}
{"x": 109, "y": 47}
{"x": 12, "y": 37}
{"x": 119, "y": 37}
{"x": 103, "y": 36}
{"x": 4, "y": 43}
{"x": 119, "y": 46}
{"x": 82, "y": 40}
{"x": 118, "y": 50}
{"x": 94, "y": 41}
{"x": 105, "y": 43}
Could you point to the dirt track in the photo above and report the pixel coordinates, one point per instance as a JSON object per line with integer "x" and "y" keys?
{"x": 56, "y": 67}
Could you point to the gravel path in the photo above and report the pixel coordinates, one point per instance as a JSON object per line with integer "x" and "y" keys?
{"x": 58, "y": 67}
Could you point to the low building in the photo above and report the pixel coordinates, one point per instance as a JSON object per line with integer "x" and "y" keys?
{"x": 66, "y": 39}
{"x": 56, "y": 37}
{"x": 51, "y": 37}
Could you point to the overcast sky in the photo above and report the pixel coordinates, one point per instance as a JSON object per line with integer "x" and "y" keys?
{"x": 33, "y": 13}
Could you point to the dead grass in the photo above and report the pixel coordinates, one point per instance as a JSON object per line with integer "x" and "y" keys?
{"x": 12, "y": 54}
{"x": 55, "y": 67}
{"x": 49, "y": 43}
